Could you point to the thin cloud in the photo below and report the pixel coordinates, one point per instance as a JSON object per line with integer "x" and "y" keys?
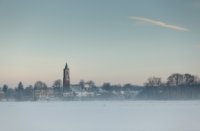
{"x": 144, "y": 20}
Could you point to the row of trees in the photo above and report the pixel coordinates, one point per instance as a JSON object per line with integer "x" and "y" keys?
{"x": 176, "y": 86}
{"x": 175, "y": 79}
{"x": 23, "y": 93}
{"x": 31, "y": 92}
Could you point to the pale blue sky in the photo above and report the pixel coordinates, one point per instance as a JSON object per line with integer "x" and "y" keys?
{"x": 117, "y": 41}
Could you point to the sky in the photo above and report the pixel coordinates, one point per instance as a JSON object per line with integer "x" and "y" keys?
{"x": 116, "y": 41}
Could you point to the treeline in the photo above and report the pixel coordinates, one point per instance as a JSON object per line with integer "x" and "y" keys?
{"x": 84, "y": 90}
{"x": 177, "y": 86}
{"x": 21, "y": 93}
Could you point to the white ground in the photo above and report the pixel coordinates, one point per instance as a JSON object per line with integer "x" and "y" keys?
{"x": 100, "y": 116}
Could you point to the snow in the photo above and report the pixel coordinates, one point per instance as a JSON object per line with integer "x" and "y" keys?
{"x": 100, "y": 116}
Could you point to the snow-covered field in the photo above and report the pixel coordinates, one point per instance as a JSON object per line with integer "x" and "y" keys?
{"x": 100, "y": 116}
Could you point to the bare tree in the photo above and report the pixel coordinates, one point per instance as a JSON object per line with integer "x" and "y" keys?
{"x": 57, "y": 87}
{"x": 82, "y": 84}
{"x": 91, "y": 86}
{"x": 153, "y": 81}
{"x": 39, "y": 85}
{"x": 19, "y": 91}
{"x": 189, "y": 79}
{"x": 90, "y": 83}
{"x": 107, "y": 86}
{"x": 29, "y": 92}
{"x": 5, "y": 88}
{"x": 175, "y": 79}
{"x": 57, "y": 84}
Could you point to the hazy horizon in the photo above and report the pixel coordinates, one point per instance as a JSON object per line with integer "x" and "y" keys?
{"x": 104, "y": 41}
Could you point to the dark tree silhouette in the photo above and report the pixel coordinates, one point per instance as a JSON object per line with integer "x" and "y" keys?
{"x": 107, "y": 87}
{"x": 82, "y": 84}
{"x": 153, "y": 82}
{"x": 189, "y": 79}
{"x": 39, "y": 85}
{"x": 175, "y": 79}
{"x": 57, "y": 87}
{"x": 19, "y": 91}
{"x": 29, "y": 92}
{"x": 5, "y": 88}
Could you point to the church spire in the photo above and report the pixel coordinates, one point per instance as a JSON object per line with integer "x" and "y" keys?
{"x": 66, "y": 66}
{"x": 66, "y": 79}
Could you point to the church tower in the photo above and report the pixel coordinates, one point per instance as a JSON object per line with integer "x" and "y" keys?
{"x": 66, "y": 79}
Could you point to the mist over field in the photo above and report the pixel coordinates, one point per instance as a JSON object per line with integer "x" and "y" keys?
{"x": 100, "y": 115}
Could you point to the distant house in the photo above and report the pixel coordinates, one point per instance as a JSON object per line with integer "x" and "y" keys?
{"x": 76, "y": 88}
{"x": 44, "y": 94}
{"x": 81, "y": 92}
